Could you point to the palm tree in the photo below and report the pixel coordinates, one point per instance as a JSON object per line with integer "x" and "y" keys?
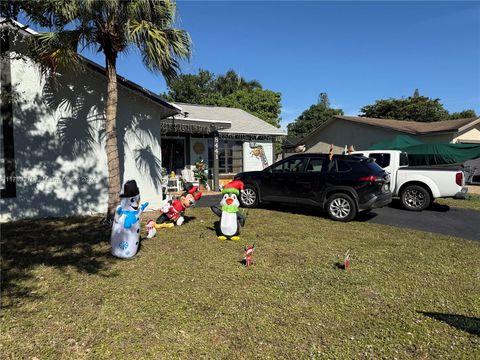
{"x": 231, "y": 82}
{"x": 112, "y": 27}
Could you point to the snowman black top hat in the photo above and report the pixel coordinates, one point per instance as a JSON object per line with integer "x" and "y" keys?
{"x": 130, "y": 189}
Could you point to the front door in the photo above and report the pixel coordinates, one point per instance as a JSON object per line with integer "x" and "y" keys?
{"x": 173, "y": 154}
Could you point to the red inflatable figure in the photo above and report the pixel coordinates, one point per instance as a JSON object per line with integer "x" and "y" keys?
{"x": 173, "y": 211}
{"x": 248, "y": 252}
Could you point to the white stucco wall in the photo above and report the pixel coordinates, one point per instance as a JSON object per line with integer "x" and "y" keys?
{"x": 252, "y": 162}
{"x": 61, "y": 164}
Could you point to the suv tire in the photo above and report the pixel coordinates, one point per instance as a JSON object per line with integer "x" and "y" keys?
{"x": 341, "y": 207}
{"x": 249, "y": 196}
{"x": 415, "y": 198}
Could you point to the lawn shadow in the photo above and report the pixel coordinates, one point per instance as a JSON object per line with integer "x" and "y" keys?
{"x": 339, "y": 265}
{"x": 465, "y": 323}
{"x": 294, "y": 209}
{"x": 187, "y": 219}
{"x": 362, "y": 216}
{"x": 74, "y": 242}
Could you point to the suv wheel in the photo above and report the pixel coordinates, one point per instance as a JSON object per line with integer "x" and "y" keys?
{"x": 249, "y": 196}
{"x": 341, "y": 207}
{"x": 415, "y": 198}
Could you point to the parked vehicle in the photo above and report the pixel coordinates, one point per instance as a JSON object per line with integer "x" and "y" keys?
{"x": 417, "y": 186}
{"x": 342, "y": 186}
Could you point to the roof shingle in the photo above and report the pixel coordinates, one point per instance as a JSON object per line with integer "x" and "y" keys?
{"x": 242, "y": 121}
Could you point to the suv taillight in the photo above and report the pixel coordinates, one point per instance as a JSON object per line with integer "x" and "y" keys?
{"x": 371, "y": 178}
{"x": 459, "y": 178}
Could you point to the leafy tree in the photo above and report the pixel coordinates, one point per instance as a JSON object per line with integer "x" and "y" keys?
{"x": 264, "y": 104}
{"x": 230, "y": 90}
{"x": 313, "y": 117}
{"x": 465, "y": 114}
{"x": 193, "y": 88}
{"x": 112, "y": 27}
{"x": 415, "y": 108}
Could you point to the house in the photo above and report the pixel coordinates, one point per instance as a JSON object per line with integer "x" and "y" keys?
{"x": 363, "y": 132}
{"x": 229, "y": 140}
{"x": 52, "y": 144}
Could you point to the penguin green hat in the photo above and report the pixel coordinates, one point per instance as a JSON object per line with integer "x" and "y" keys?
{"x": 233, "y": 187}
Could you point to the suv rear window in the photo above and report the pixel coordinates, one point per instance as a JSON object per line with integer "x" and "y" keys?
{"x": 373, "y": 166}
{"x": 339, "y": 165}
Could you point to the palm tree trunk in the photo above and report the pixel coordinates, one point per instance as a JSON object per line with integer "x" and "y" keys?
{"x": 111, "y": 134}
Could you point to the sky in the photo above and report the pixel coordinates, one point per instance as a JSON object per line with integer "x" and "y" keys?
{"x": 356, "y": 52}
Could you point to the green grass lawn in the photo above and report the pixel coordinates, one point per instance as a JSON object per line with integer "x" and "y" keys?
{"x": 407, "y": 294}
{"x": 471, "y": 202}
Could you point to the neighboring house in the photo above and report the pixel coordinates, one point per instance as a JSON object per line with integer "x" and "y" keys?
{"x": 241, "y": 141}
{"x": 52, "y": 145}
{"x": 363, "y": 132}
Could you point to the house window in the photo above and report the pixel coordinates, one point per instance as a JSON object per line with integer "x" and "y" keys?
{"x": 230, "y": 156}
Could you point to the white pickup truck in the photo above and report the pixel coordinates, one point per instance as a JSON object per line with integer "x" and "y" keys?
{"x": 417, "y": 186}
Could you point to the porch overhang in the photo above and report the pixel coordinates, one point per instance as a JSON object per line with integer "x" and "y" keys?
{"x": 179, "y": 123}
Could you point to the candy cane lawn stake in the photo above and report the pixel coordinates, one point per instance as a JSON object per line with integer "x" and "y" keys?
{"x": 248, "y": 252}
{"x": 347, "y": 259}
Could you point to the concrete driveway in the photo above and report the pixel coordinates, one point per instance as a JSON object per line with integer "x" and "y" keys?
{"x": 439, "y": 219}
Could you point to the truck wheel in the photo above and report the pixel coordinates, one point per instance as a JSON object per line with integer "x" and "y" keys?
{"x": 249, "y": 196}
{"x": 415, "y": 198}
{"x": 341, "y": 207}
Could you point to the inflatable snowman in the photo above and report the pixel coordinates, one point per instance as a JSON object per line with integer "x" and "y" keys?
{"x": 126, "y": 226}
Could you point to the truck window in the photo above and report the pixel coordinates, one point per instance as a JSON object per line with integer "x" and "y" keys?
{"x": 403, "y": 159}
{"x": 383, "y": 160}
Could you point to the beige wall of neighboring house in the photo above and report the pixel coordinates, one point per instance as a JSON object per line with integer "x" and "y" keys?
{"x": 363, "y": 133}
{"x": 471, "y": 135}
{"x": 341, "y": 133}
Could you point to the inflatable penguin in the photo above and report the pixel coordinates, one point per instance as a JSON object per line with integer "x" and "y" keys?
{"x": 230, "y": 219}
{"x": 126, "y": 226}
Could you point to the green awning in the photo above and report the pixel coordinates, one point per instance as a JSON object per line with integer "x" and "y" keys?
{"x": 396, "y": 143}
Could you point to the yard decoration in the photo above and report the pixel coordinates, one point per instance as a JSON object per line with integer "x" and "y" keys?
{"x": 248, "y": 252}
{"x": 173, "y": 211}
{"x": 126, "y": 224}
{"x": 347, "y": 259}
{"x": 230, "y": 219}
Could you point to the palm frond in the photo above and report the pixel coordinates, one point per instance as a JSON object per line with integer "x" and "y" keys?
{"x": 57, "y": 49}
{"x": 161, "y": 48}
